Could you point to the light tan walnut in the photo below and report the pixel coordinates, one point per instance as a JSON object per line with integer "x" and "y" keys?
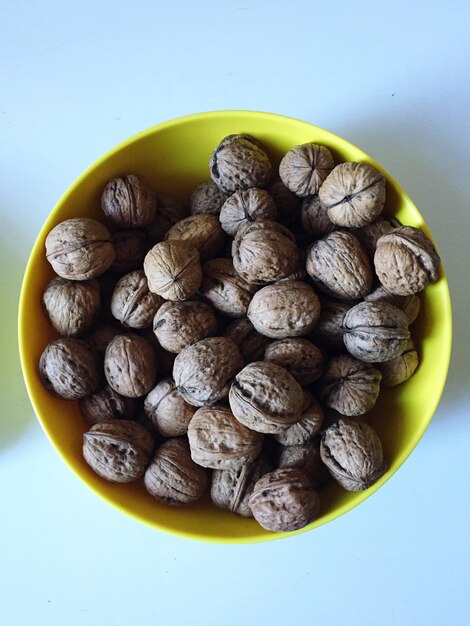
{"x": 71, "y": 305}
{"x": 173, "y": 270}
{"x": 207, "y": 198}
{"x": 227, "y": 291}
{"x": 132, "y": 303}
{"x": 129, "y": 365}
{"x": 245, "y": 206}
{"x": 304, "y": 168}
{"x": 202, "y": 231}
{"x": 300, "y": 357}
{"x": 309, "y": 425}
{"x": 167, "y": 410}
{"x": 402, "y": 367}
{"x": 179, "y": 324}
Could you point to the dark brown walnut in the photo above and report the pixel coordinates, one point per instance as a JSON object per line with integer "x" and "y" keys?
{"x": 284, "y": 500}
{"x": 409, "y": 304}
{"x": 203, "y": 372}
{"x": 354, "y": 194}
{"x": 240, "y": 162}
{"x": 339, "y": 266}
{"x": 244, "y": 206}
{"x": 69, "y": 368}
{"x": 266, "y": 398}
{"x": 79, "y": 249}
{"x": 314, "y": 217}
{"x": 172, "y": 477}
{"x": 406, "y": 261}
{"x": 179, "y": 324}
{"x": 328, "y": 330}
{"x": 168, "y": 211}
{"x": 173, "y": 270}
{"x": 118, "y": 450}
{"x": 264, "y": 251}
{"x": 101, "y": 334}
{"x": 130, "y": 246}
{"x": 369, "y": 235}
{"x": 287, "y": 203}
{"x": 300, "y": 273}
{"x": 300, "y": 357}
{"x": 202, "y": 231}
{"x": 132, "y": 303}
{"x": 352, "y": 452}
{"x": 305, "y": 457}
{"x": 309, "y": 425}
{"x": 165, "y": 359}
{"x": 106, "y": 404}
{"x": 304, "y": 168}
{"x": 284, "y": 310}
{"x": 249, "y": 341}
{"x": 375, "y": 331}
{"x": 227, "y": 291}
{"x": 207, "y": 198}
{"x": 349, "y": 386}
{"x": 129, "y": 365}
{"x": 219, "y": 441}
{"x": 128, "y": 202}
{"x": 402, "y": 367}
{"x": 167, "y": 410}
{"x": 232, "y": 488}
{"x": 71, "y": 305}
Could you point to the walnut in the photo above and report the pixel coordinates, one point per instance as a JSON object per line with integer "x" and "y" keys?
{"x": 369, "y": 235}
{"x": 106, "y": 283}
{"x": 167, "y": 410}
{"x": 266, "y": 398}
{"x": 305, "y": 457}
{"x": 245, "y": 206}
{"x": 375, "y": 331}
{"x": 353, "y": 454}
{"x": 69, "y": 368}
{"x": 399, "y": 369}
{"x": 71, "y": 305}
{"x": 284, "y": 310}
{"x": 106, "y": 404}
{"x": 118, "y": 450}
{"x": 128, "y": 202}
{"x": 130, "y": 246}
{"x": 328, "y": 330}
{"x": 207, "y": 198}
{"x": 307, "y": 427}
{"x": 79, "y": 249}
{"x": 409, "y": 304}
{"x": 406, "y": 261}
{"x": 173, "y": 270}
{"x": 129, "y": 365}
{"x": 264, "y": 251}
{"x": 314, "y": 217}
{"x": 250, "y": 342}
{"x": 101, "y": 334}
{"x": 354, "y": 194}
{"x": 224, "y": 289}
{"x": 168, "y": 211}
{"x": 349, "y": 386}
{"x": 283, "y": 500}
{"x": 304, "y": 168}
{"x": 300, "y": 357}
{"x": 132, "y": 303}
{"x": 219, "y": 441}
{"x": 204, "y": 371}
{"x": 339, "y": 266}
{"x": 202, "y": 231}
{"x": 179, "y": 324}
{"x": 287, "y": 203}
{"x": 165, "y": 359}
{"x": 172, "y": 477}
{"x": 300, "y": 273}
{"x": 240, "y": 162}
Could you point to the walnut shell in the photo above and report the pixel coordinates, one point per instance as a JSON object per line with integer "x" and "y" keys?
{"x": 202, "y": 231}
{"x": 69, "y": 368}
{"x": 406, "y": 261}
{"x": 207, "y": 198}
{"x": 167, "y": 410}
{"x": 266, "y": 398}
{"x": 172, "y": 477}
{"x": 168, "y": 211}
{"x": 328, "y": 330}
{"x": 129, "y": 365}
{"x": 130, "y": 246}
{"x": 284, "y": 310}
{"x": 309, "y": 425}
{"x": 118, "y": 450}
{"x": 399, "y": 369}
{"x": 287, "y": 203}
{"x": 245, "y": 206}
{"x": 283, "y": 500}
{"x": 225, "y": 289}
{"x": 339, "y": 266}
{"x": 79, "y": 249}
{"x": 352, "y": 452}
{"x": 354, "y": 194}
{"x": 71, "y": 305}
{"x": 304, "y": 168}
{"x": 173, "y": 270}
{"x": 305, "y": 457}
{"x": 179, "y": 324}
{"x": 106, "y": 404}
{"x": 132, "y": 303}
{"x": 409, "y": 304}
{"x": 204, "y": 371}
{"x": 101, "y": 334}
{"x": 370, "y": 234}
{"x": 300, "y": 357}
{"x": 128, "y": 202}
{"x": 249, "y": 341}
{"x": 314, "y": 217}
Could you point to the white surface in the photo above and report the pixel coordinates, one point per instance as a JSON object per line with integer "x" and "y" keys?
{"x": 77, "y": 78}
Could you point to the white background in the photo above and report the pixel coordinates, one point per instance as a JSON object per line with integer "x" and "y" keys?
{"x": 79, "y": 77}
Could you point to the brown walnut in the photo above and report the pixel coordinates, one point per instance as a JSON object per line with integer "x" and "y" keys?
{"x": 167, "y": 410}
{"x": 71, "y": 305}
{"x": 328, "y": 330}
{"x": 314, "y": 217}
{"x": 245, "y": 206}
{"x": 207, "y": 198}
{"x": 300, "y": 357}
{"x": 304, "y": 168}
{"x": 106, "y": 404}
{"x": 129, "y": 365}
{"x": 179, "y": 324}
{"x": 249, "y": 341}
{"x": 227, "y": 291}
{"x": 409, "y": 304}
{"x": 130, "y": 246}
{"x": 287, "y": 203}
{"x": 168, "y": 211}
{"x": 309, "y": 425}
{"x": 402, "y": 367}
{"x": 132, "y": 303}
{"x": 128, "y": 202}
{"x": 202, "y": 231}
{"x": 305, "y": 457}
{"x": 173, "y": 270}
{"x": 370, "y": 234}
{"x": 101, "y": 334}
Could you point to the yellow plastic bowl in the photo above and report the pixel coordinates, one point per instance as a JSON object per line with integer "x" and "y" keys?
{"x": 174, "y": 156}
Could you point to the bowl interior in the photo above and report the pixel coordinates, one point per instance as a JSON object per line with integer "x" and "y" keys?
{"x": 174, "y": 157}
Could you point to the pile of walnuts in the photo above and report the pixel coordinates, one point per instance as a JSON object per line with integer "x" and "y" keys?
{"x": 237, "y": 345}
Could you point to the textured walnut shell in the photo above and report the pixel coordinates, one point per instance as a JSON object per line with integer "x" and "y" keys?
{"x": 130, "y": 246}
{"x": 399, "y": 369}
{"x": 69, "y": 368}
{"x": 128, "y": 202}
{"x": 350, "y": 386}
{"x": 370, "y": 234}
{"x": 249, "y": 341}
{"x": 305, "y": 457}
{"x": 375, "y": 331}
{"x": 300, "y": 357}
{"x": 354, "y": 194}
{"x": 172, "y": 477}
{"x": 207, "y": 198}
{"x": 314, "y": 217}
{"x": 168, "y": 211}
{"x": 409, "y": 304}
{"x": 266, "y": 398}
{"x": 328, "y": 330}
{"x": 79, "y": 249}
{"x": 101, "y": 334}
{"x": 129, "y": 365}
{"x": 339, "y": 266}
{"x": 283, "y": 500}
{"x": 406, "y": 261}
{"x": 304, "y": 168}
{"x": 167, "y": 410}
{"x": 284, "y": 310}
{"x": 204, "y": 371}
{"x": 225, "y": 289}
{"x": 106, "y": 404}
{"x": 309, "y": 425}
{"x": 287, "y": 203}
{"x": 352, "y": 452}
{"x": 202, "y": 231}
{"x": 118, "y": 450}
{"x": 132, "y": 303}
{"x": 179, "y": 324}
{"x": 247, "y": 205}
{"x": 173, "y": 270}
{"x": 71, "y": 306}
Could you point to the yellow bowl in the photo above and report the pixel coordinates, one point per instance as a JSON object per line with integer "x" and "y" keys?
{"x": 174, "y": 156}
